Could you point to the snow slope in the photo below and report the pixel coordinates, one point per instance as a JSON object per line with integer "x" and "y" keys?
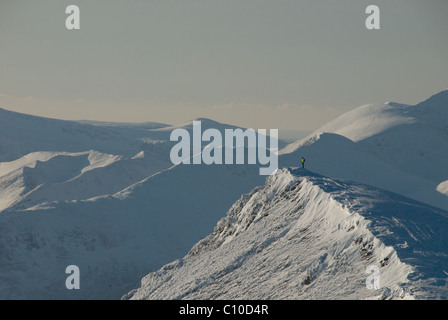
{"x": 306, "y": 236}
{"x": 397, "y": 147}
{"x": 117, "y": 213}
{"x": 114, "y": 239}
{"x": 103, "y": 196}
{"x": 106, "y": 197}
{"x": 44, "y": 160}
{"x": 22, "y": 134}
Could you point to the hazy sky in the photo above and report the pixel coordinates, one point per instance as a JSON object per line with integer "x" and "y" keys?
{"x": 257, "y": 63}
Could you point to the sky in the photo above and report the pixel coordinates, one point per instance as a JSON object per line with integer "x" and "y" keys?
{"x": 285, "y": 64}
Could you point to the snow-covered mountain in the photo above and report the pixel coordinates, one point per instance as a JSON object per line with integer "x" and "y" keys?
{"x": 114, "y": 239}
{"x": 44, "y": 160}
{"x": 381, "y": 201}
{"x": 102, "y": 196}
{"x": 106, "y": 197}
{"x": 305, "y": 236}
{"x": 397, "y": 147}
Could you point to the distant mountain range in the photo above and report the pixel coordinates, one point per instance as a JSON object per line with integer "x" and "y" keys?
{"x": 106, "y": 197}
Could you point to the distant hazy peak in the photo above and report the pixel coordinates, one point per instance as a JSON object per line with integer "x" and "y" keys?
{"x": 440, "y": 98}
{"x": 435, "y": 106}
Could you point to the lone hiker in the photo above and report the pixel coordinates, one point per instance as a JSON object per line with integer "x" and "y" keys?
{"x": 303, "y": 162}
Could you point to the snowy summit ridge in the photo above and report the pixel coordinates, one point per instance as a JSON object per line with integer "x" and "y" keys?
{"x": 397, "y": 147}
{"x": 305, "y": 236}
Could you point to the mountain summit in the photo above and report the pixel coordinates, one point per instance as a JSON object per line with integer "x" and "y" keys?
{"x": 305, "y": 236}
{"x": 397, "y": 147}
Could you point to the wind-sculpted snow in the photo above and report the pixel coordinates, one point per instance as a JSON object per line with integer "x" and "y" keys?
{"x": 306, "y": 236}
{"x": 416, "y": 231}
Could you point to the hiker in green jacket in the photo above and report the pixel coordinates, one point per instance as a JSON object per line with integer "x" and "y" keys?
{"x": 303, "y": 162}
